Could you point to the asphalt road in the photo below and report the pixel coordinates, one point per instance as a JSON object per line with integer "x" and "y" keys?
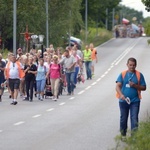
{"x": 88, "y": 120}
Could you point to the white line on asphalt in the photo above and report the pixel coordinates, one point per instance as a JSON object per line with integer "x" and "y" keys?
{"x": 106, "y": 72}
{"x": 71, "y": 98}
{"x": 88, "y": 87}
{"x": 81, "y": 92}
{"x": 102, "y": 76}
{"x": 51, "y": 109}
{"x": 1, "y": 131}
{"x": 109, "y": 69}
{"x": 94, "y": 83}
{"x": 36, "y": 116}
{"x": 19, "y": 123}
{"x": 62, "y": 103}
{"x": 98, "y": 79}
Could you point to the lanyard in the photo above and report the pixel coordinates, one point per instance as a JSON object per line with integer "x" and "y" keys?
{"x": 130, "y": 77}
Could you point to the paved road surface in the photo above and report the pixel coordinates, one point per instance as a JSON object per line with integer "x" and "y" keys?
{"x": 88, "y": 120}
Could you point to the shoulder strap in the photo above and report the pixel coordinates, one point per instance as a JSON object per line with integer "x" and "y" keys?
{"x": 123, "y": 74}
{"x": 138, "y": 75}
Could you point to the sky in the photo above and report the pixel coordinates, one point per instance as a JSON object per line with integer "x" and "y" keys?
{"x": 137, "y": 5}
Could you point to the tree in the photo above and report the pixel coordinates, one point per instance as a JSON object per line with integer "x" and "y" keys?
{"x": 64, "y": 16}
{"x": 147, "y": 4}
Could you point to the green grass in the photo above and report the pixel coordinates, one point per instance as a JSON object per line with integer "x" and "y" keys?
{"x": 95, "y": 36}
{"x": 140, "y": 140}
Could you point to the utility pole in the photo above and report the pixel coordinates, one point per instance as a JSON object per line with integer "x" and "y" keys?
{"x": 47, "y": 25}
{"x": 86, "y": 22}
{"x": 113, "y": 18}
{"x": 14, "y": 25}
{"x": 106, "y": 21}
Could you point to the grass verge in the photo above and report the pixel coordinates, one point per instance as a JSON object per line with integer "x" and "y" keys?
{"x": 140, "y": 140}
{"x": 96, "y": 36}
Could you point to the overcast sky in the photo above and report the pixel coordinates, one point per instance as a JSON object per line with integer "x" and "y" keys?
{"x": 136, "y": 4}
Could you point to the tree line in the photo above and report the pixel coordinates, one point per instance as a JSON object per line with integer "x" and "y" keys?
{"x": 65, "y": 16}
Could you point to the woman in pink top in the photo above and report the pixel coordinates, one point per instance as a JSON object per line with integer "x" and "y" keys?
{"x": 55, "y": 74}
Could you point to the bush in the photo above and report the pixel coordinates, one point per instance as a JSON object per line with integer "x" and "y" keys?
{"x": 95, "y": 36}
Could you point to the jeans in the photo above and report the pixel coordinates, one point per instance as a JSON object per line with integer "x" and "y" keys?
{"x": 29, "y": 87}
{"x": 40, "y": 84}
{"x": 88, "y": 69}
{"x": 70, "y": 82}
{"x": 76, "y": 74}
{"x": 124, "y": 113}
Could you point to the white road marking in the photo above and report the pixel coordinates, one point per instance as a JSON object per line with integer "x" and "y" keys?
{"x": 36, "y": 116}
{"x": 102, "y": 76}
{"x": 94, "y": 83}
{"x": 106, "y": 72}
{"x": 62, "y": 103}
{"x": 71, "y": 98}
{"x": 88, "y": 87}
{"x": 109, "y": 69}
{"x": 51, "y": 109}
{"x": 98, "y": 79}
{"x": 1, "y": 131}
{"x": 19, "y": 123}
{"x": 81, "y": 92}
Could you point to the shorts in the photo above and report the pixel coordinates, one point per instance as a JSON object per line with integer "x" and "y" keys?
{"x": 14, "y": 84}
{"x": 2, "y": 80}
{"x": 93, "y": 62}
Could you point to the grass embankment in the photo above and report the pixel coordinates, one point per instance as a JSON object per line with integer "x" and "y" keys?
{"x": 140, "y": 139}
{"x": 96, "y": 36}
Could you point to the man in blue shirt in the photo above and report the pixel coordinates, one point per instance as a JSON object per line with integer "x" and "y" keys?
{"x": 129, "y": 84}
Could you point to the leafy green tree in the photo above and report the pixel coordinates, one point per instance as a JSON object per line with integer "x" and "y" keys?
{"x": 147, "y": 4}
{"x": 64, "y": 17}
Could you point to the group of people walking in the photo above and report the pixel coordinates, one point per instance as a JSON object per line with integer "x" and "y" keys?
{"x": 28, "y": 74}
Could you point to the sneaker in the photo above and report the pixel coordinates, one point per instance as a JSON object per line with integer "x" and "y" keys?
{"x": 30, "y": 100}
{"x": 54, "y": 99}
{"x": 26, "y": 99}
{"x": 14, "y": 103}
{"x": 123, "y": 139}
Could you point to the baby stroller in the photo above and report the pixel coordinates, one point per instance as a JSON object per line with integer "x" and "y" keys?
{"x": 48, "y": 91}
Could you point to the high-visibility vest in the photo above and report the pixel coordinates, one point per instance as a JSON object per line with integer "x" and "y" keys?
{"x": 87, "y": 55}
{"x": 138, "y": 75}
{"x": 21, "y": 71}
